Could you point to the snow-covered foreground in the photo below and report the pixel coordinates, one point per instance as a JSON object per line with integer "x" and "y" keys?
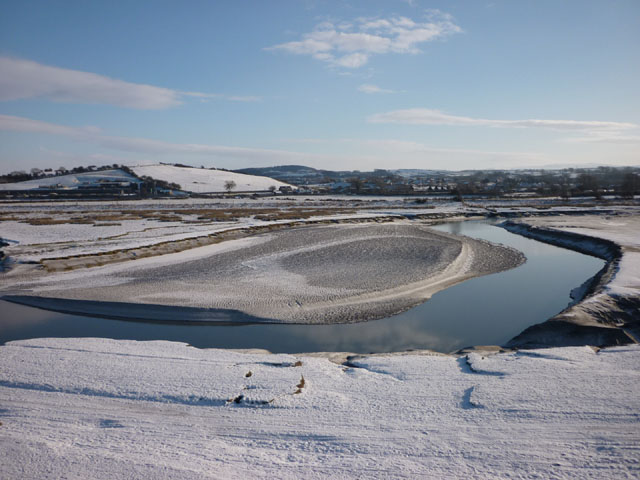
{"x": 97, "y": 408}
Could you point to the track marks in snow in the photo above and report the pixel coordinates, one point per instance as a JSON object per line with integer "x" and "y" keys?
{"x": 120, "y": 354}
{"x": 352, "y": 362}
{"x": 193, "y": 400}
{"x": 468, "y": 399}
{"x": 252, "y": 394}
{"x": 545, "y": 356}
{"x": 108, "y": 423}
{"x": 471, "y": 366}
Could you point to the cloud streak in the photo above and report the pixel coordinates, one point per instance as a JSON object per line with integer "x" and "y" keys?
{"x": 372, "y": 89}
{"x": 370, "y": 153}
{"x": 425, "y": 116}
{"x": 351, "y": 44}
{"x": 590, "y": 131}
{"x": 364, "y": 154}
{"x": 21, "y": 79}
{"x": 95, "y": 136}
{"x": 219, "y": 96}
{"x": 25, "y": 79}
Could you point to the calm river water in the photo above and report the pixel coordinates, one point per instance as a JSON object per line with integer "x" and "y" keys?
{"x": 487, "y": 310}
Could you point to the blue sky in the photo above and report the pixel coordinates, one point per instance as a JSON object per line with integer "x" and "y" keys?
{"x": 338, "y": 85}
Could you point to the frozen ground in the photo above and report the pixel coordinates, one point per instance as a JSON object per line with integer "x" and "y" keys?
{"x": 320, "y": 274}
{"x": 96, "y": 408}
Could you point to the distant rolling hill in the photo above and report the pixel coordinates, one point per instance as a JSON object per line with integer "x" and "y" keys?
{"x": 73, "y": 180}
{"x": 296, "y": 174}
{"x": 202, "y": 180}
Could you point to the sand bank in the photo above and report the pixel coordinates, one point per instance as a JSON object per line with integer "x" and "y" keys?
{"x": 320, "y": 274}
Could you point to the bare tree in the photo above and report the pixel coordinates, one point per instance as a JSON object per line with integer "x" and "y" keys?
{"x": 272, "y": 189}
{"x": 229, "y": 185}
{"x": 630, "y": 185}
{"x": 356, "y": 184}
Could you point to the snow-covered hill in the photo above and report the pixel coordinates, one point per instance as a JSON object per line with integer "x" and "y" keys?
{"x": 201, "y": 180}
{"x": 73, "y": 180}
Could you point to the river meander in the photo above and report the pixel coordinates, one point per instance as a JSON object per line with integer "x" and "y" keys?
{"x": 487, "y": 310}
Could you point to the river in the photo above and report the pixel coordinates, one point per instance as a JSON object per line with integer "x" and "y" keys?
{"x": 488, "y": 310}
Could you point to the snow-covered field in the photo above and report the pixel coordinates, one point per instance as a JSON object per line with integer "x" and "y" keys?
{"x": 96, "y": 408}
{"x": 42, "y": 230}
{"x": 201, "y": 180}
{"x": 37, "y": 230}
{"x": 73, "y": 180}
{"x": 196, "y": 180}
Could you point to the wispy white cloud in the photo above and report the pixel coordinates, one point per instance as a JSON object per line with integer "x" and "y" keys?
{"x": 243, "y": 98}
{"x": 618, "y": 136}
{"x": 83, "y": 158}
{"x": 371, "y": 89}
{"x": 425, "y": 116}
{"x": 11, "y": 123}
{"x": 393, "y": 153}
{"x": 219, "y": 96}
{"x": 24, "y": 79}
{"x": 148, "y": 146}
{"x": 352, "y": 153}
{"x": 600, "y": 131}
{"x": 362, "y": 154}
{"x": 414, "y": 153}
{"x": 351, "y": 44}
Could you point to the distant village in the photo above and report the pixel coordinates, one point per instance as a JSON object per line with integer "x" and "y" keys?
{"x": 623, "y": 182}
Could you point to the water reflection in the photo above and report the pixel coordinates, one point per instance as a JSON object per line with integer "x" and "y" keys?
{"x": 453, "y": 227}
{"x": 485, "y": 310}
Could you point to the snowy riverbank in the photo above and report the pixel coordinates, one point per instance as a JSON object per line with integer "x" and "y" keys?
{"x": 610, "y": 313}
{"x": 166, "y": 410}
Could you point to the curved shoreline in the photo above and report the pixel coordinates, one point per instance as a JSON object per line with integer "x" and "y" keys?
{"x": 325, "y": 275}
{"x": 599, "y": 318}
